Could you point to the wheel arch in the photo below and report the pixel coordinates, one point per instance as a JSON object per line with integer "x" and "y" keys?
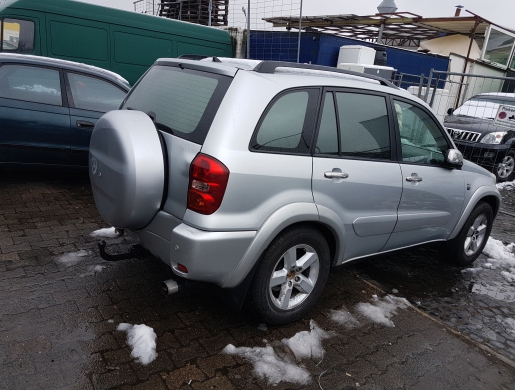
{"x": 485, "y": 194}
{"x": 285, "y": 218}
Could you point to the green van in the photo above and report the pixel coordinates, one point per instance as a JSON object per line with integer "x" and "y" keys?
{"x": 121, "y": 41}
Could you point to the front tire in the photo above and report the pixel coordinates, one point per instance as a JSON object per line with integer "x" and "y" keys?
{"x": 470, "y": 242}
{"x": 291, "y": 275}
{"x": 506, "y": 169}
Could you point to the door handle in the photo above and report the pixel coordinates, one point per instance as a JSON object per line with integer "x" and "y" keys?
{"x": 85, "y": 124}
{"x": 413, "y": 179}
{"x": 335, "y": 175}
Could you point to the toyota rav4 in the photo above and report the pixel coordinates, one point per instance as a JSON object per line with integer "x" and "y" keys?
{"x": 260, "y": 176}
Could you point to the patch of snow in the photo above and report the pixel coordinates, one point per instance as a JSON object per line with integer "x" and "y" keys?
{"x": 269, "y": 366}
{"x": 142, "y": 339}
{"x": 395, "y": 291}
{"x": 509, "y": 276}
{"x": 70, "y": 259}
{"x": 345, "y": 318}
{"x": 107, "y": 233}
{"x": 499, "y": 255}
{"x": 262, "y": 327}
{"x": 381, "y": 310}
{"x": 307, "y": 344}
{"x": 110, "y": 321}
{"x": 92, "y": 270}
{"x": 471, "y": 270}
{"x": 507, "y": 185}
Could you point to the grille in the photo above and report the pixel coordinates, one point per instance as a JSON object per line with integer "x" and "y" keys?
{"x": 463, "y": 135}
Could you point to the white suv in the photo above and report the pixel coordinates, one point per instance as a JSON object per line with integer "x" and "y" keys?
{"x": 261, "y": 176}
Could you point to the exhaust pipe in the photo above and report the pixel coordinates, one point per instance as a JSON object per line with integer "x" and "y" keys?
{"x": 169, "y": 287}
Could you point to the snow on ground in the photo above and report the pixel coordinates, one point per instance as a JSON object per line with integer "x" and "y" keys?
{"x": 498, "y": 254}
{"x": 345, "y": 318}
{"x": 308, "y": 344}
{"x": 107, "y": 233}
{"x": 142, "y": 340}
{"x": 280, "y": 361}
{"x": 92, "y": 270}
{"x": 379, "y": 310}
{"x": 70, "y": 259}
{"x": 509, "y": 275}
{"x": 277, "y": 361}
{"x": 507, "y": 185}
{"x": 270, "y": 366}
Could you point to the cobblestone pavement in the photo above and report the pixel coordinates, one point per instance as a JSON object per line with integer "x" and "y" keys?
{"x": 476, "y": 301}
{"x": 58, "y": 319}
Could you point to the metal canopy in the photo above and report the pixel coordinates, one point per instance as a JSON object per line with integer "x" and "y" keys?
{"x": 393, "y": 29}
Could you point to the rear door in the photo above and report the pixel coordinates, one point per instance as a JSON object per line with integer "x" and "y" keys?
{"x": 34, "y": 119}
{"x": 433, "y": 195}
{"x": 354, "y": 169}
{"x": 89, "y": 98}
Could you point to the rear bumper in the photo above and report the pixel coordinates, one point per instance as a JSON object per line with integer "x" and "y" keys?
{"x": 208, "y": 256}
{"x": 487, "y": 156}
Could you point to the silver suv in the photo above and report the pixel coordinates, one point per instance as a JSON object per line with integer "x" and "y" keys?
{"x": 261, "y": 176}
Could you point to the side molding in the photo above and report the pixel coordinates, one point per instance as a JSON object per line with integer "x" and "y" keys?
{"x": 480, "y": 193}
{"x": 279, "y": 220}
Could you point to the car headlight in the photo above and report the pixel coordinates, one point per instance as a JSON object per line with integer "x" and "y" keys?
{"x": 493, "y": 138}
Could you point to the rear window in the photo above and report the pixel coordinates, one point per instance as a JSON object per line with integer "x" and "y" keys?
{"x": 182, "y": 102}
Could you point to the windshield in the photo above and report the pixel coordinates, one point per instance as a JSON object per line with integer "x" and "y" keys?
{"x": 484, "y": 107}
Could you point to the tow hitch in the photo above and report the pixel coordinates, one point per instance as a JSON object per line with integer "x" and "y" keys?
{"x": 136, "y": 251}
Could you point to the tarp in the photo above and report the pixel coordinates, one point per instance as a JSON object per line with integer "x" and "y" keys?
{"x": 458, "y": 44}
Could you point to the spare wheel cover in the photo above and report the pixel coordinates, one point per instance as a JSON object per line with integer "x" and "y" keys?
{"x": 126, "y": 168}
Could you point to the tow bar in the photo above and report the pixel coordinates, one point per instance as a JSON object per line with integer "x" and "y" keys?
{"x": 136, "y": 251}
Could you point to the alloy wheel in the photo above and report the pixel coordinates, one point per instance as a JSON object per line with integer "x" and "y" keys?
{"x": 476, "y": 235}
{"x": 294, "y": 277}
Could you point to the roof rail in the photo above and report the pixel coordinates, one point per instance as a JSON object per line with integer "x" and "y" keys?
{"x": 270, "y": 66}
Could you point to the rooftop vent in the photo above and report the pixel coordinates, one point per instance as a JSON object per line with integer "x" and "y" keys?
{"x": 387, "y": 6}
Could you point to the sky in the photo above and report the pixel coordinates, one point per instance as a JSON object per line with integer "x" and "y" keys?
{"x": 496, "y": 11}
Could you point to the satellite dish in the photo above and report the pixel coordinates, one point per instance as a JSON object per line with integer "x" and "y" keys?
{"x": 387, "y": 6}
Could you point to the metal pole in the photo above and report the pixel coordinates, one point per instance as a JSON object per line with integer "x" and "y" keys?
{"x": 472, "y": 36}
{"x": 248, "y": 30}
{"x": 300, "y": 30}
{"x": 380, "y": 35}
{"x": 430, "y": 79}
{"x": 210, "y": 7}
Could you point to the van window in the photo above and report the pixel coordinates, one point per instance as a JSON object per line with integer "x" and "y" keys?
{"x": 182, "y": 102}
{"x": 17, "y": 35}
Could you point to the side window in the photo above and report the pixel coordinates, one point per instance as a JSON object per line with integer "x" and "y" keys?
{"x": 90, "y": 93}
{"x": 286, "y": 124}
{"x": 31, "y": 84}
{"x": 364, "y": 129}
{"x": 360, "y": 124}
{"x": 422, "y": 141}
{"x": 17, "y": 36}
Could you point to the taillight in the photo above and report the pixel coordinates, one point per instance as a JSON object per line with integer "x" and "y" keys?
{"x": 208, "y": 180}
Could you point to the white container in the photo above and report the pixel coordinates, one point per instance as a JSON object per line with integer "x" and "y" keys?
{"x": 357, "y": 54}
{"x": 386, "y": 72}
{"x": 440, "y": 103}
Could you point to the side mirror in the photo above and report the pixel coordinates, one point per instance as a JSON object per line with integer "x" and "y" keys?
{"x": 450, "y": 111}
{"x": 453, "y": 158}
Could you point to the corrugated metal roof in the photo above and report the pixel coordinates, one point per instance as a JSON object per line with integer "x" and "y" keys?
{"x": 399, "y": 29}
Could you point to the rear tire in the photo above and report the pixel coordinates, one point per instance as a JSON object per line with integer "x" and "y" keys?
{"x": 506, "y": 169}
{"x": 470, "y": 242}
{"x": 291, "y": 275}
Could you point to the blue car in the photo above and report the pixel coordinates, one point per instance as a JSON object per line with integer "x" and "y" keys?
{"x": 48, "y": 108}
